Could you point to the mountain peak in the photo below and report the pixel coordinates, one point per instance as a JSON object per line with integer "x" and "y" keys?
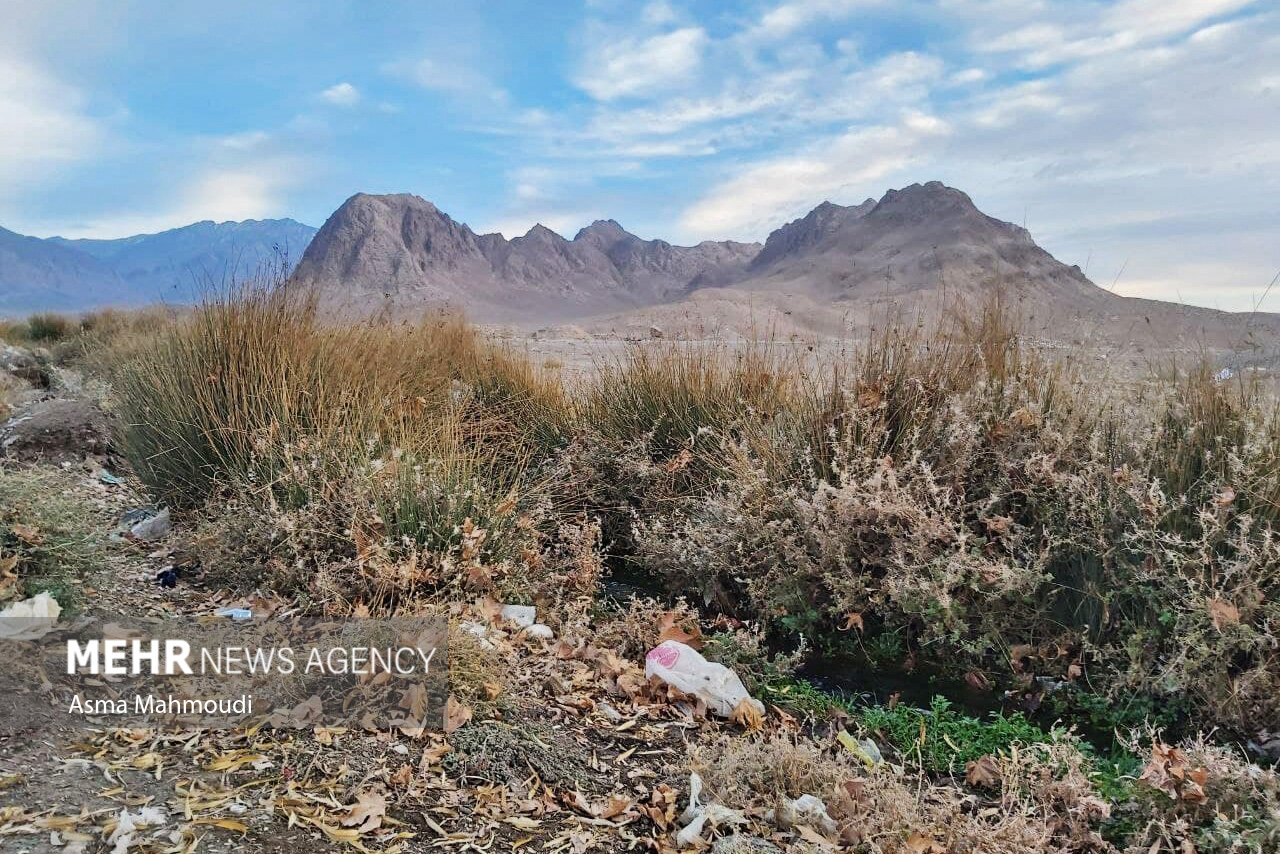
{"x": 541, "y": 232}
{"x": 922, "y": 201}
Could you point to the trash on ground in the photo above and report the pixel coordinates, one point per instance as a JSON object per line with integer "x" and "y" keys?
{"x": 540, "y": 631}
{"x": 807, "y": 810}
{"x": 167, "y": 577}
{"x": 153, "y": 528}
{"x": 697, "y": 815}
{"x": 239, "y": 615}
{"x": 29, "y": 619}
{"x": 682, "y": 667}
{"x": 865, "y": 749}
{"x": 109, "y": 478}
{"x": 523, "y": 616}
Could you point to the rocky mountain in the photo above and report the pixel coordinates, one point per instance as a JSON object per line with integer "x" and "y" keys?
{"x": 922, "y": 239}
{"x": 36, "y": 275}
{"x": 173, "y": 266}
{"x": 924, "y": 250}
{"x": 402, "y": 253}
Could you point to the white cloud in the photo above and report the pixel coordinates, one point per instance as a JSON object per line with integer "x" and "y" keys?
{"x": 633, "y": 66}
{"x": 43, "y": 123}
{"x": 341, "y": 95}
{"x": 254, "y": 189}
{"x": 451, "y": 77}
{"x": 767, "y": 194}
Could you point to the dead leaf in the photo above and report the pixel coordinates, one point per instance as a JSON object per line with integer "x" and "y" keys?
{"x": 746, "y": 714}
{"x": 852, "y": 620}
{"x": 456, "y": 714}
{"x": 367, "y": 812}
{"x": 918, "y": 843}
{"x": 983, "y": 772}
{"x": 414, "y": 700}
{"x": 1169, "y": 772}
{"x": 29, "y": 534}
{"x": 1223, "y": 613}
{"x": 669, "y": 630}
{"x": 224, "y": 823}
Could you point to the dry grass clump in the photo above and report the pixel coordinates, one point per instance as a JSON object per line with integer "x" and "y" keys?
{"x": 363, "y": 463}
{"x": 247, "y": 384}
{"x": 44, "y": 542}
{"x": 1036, "y": 801}
{"x": 48, "y": 327}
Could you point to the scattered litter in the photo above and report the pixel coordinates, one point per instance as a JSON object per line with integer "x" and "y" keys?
{"x": 129, "y": 823}
{"x": 152, "y": 529}
{"x": 109, "y": 478}
{"x": 613, "y": 715}
{"x": 523, "y": 616}
{"x": 682, "y": 667}
{"x": 697, "y": 815}
{"x": 1223, "y": 375}
{"x": 481, "y": 632}
{"x": 865, "y": 749}
{"x": 239, "y": 615}
{"x": 540, "y": 631}
{"x": 29, "y": 619}
{"x": 807, "y": 810}
{"x": 132, "y": 517}
{"x": 167, "y": 577}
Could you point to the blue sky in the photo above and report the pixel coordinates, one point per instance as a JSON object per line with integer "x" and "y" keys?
{"x": 1137, "y": 138}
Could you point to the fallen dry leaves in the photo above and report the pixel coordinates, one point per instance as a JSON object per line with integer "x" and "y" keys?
{"x": 1169, "y": 772}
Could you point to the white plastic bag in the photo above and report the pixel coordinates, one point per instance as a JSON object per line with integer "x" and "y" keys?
{"x": 682, "y": 667}
{"x": 29, "y": 619}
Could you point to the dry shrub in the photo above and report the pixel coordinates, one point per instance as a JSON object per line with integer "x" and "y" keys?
{"x": 990, "y": 511}
{"x": 631, "y": 630}
{"x": 1043, "y": 802}
{"x": 475, "y": 671}
{"x": 49, "y": 328}
{"x": 1204, "y": 797}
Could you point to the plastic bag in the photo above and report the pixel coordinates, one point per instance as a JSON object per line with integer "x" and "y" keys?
{"x": 29, "y": 619}
{"x": 682, "y": 667}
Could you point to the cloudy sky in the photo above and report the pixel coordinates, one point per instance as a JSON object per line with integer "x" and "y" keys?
{"x": 1139, "y": 139}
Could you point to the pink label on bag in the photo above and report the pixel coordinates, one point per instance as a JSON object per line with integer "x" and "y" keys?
{"x": 665, "y": 656}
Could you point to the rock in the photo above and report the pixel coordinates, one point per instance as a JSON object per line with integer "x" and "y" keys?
{"x": 152, "y": 529}
{"x": 57, "y": 430}
{"x": 24, "y": 366}
{"x": 741, "y": 844}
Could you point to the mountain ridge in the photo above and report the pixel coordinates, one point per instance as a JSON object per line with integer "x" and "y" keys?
{"x": 174, "y": 265}
{"x": 405, "y": 253}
